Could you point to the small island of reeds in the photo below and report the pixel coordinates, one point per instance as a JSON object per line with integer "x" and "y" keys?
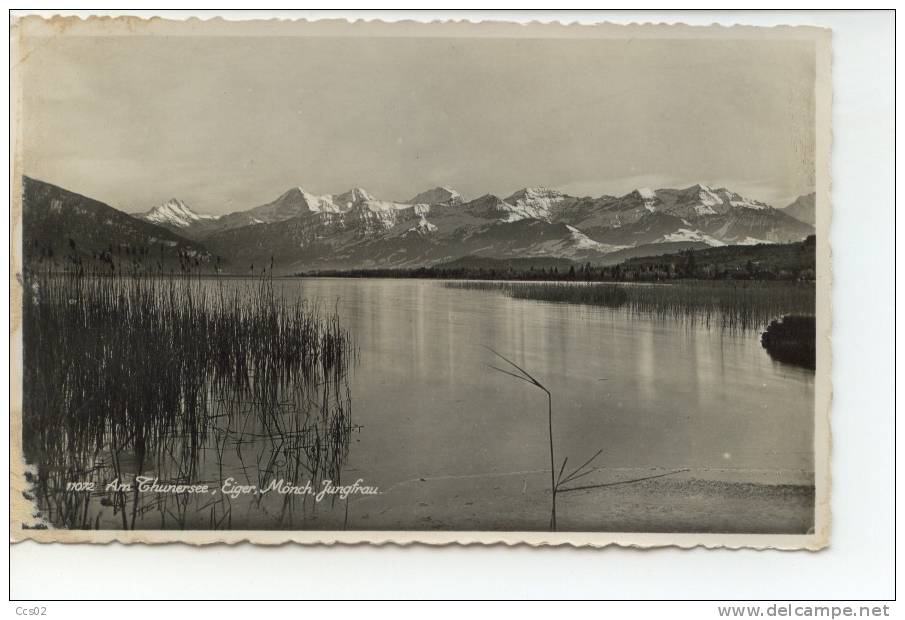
{"x": 793, "y": 340}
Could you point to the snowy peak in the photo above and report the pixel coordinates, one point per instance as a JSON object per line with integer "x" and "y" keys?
{"x": 536, "y": 202}
{"x": 487, "y": 201}
{"x": 535, "y": 194}
{"x": 294, "y": 195}
{"x": 646, "y": 196}
{"x": 437, "y": 196}
{"x": 357, "y": 199}
{"x": 176, "y": 213}
{"x": 308, "y": 202}
{"x": 704, "y": 200}
{"x": 297, "y": 201}
{"x": 351, "y": 198}
{"x": 294, "y": 201}
{"x": 697, "y": 200}
{"x": 712, "y": 197}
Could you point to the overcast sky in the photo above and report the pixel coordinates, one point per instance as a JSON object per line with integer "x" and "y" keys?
{"x": 230, "y": 123}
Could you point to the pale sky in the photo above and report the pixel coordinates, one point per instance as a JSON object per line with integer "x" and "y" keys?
{"x": 229, "y": 123}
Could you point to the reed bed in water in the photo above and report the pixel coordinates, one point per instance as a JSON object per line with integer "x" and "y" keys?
{"x": 731, "y": 304}
{"x": 133, "y": 373}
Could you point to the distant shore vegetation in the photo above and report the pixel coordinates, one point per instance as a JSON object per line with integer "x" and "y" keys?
{"x": 773, "y": 262}
{"x": 736, "y": 305}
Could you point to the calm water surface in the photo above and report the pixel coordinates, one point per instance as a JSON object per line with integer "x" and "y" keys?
{"x": 649, "y": 393}
{"x": 435, "y": 426}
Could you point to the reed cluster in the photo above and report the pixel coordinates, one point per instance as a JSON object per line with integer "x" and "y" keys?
{"x": 125, "y": 374}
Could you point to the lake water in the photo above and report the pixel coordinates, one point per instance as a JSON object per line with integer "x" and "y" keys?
{"x": 452, "y": 443}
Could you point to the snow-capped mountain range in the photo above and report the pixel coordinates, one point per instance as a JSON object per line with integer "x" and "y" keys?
{"x": 303, "y": 230}
{"x": 354, "y": 229}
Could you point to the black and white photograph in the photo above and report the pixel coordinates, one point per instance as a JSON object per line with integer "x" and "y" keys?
{"x": 448, "y": 282}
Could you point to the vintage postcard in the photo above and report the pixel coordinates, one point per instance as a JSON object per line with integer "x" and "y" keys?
{"x": 333, "y": 282}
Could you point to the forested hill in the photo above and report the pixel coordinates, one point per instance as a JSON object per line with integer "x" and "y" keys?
{"x": 763, "y": 261}
{"x": 788, "y": 261}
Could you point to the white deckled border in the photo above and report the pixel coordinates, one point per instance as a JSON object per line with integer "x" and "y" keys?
{"x": 36, "y": 27}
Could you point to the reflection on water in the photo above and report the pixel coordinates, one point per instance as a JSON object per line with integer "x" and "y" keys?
{"x": 649, "y": 392}
{"x": 255, "y": 438}
{"x": 440, "y": 433}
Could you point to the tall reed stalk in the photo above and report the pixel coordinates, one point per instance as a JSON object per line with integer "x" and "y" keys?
{"x": 559, "y": 483}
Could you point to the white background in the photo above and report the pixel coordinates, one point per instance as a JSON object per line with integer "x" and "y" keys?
{"x": 859, "y": 563}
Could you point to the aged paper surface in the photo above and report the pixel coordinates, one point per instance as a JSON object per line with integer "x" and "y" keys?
{"x": 583, "y": 298}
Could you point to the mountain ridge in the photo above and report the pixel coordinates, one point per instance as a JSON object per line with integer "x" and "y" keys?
{"x": 533, "y": 221}
{"x": 61, "y": 228}
{"x": 355, "y": 229}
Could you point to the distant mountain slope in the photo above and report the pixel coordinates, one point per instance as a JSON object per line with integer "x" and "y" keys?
{"x": 651, "y": 249}
{"x": 740, "y": 227}
{"x": 58, "y": 224}
{"x": 405, "y": 237}
{"x": 666, "y": 261}
{"x": 437, "y": 196}
{"x": 356, "y": 230}
{"x": 505, "y": 264}
{"x": 794, "y": 258}
{"x": 539, "y": 203}
{"x": 803, "y": 209}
